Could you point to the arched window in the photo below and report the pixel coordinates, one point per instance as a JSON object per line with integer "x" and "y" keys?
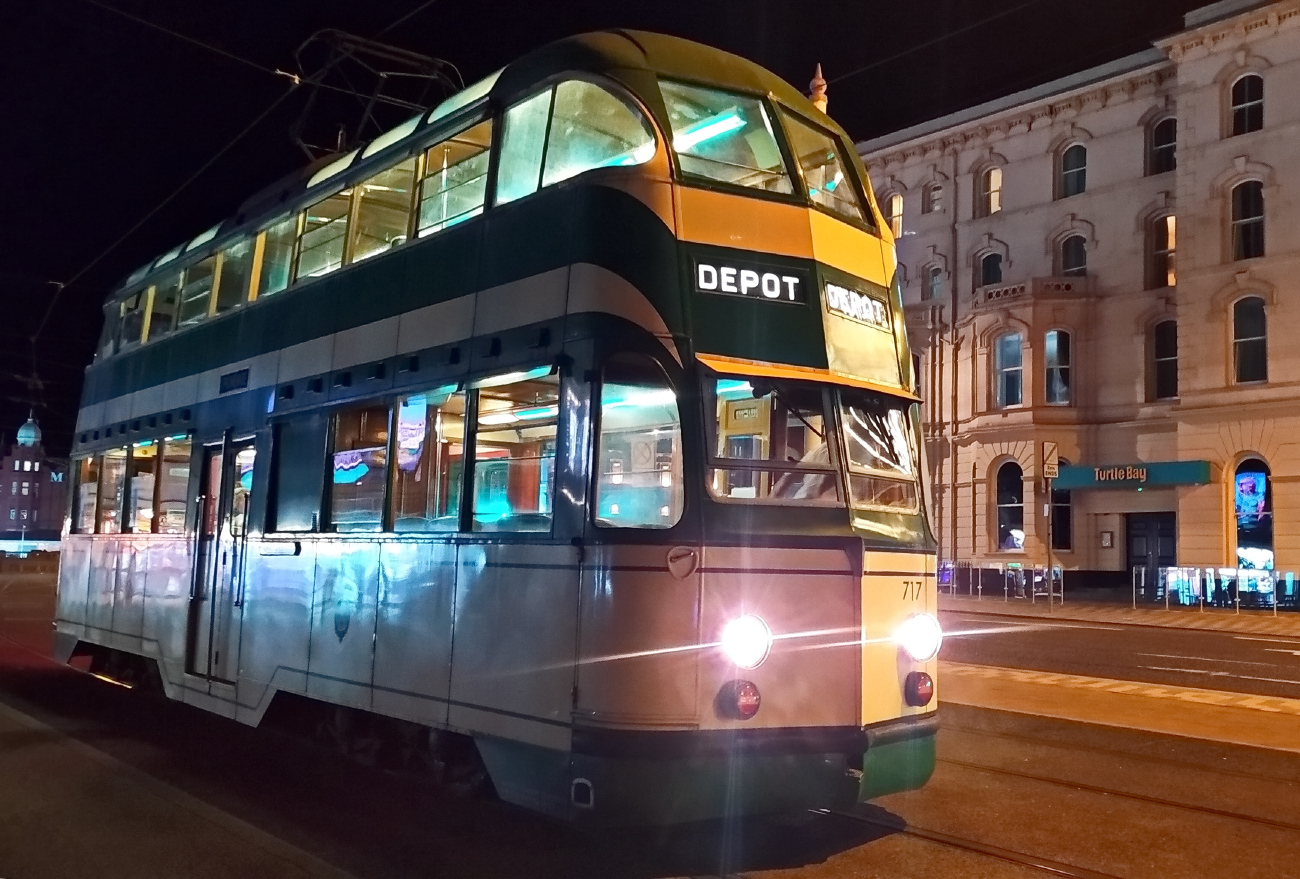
{"x": 1250, "y": 340}
{"x": 1248, "y": 220}
{"x": 932, "y": 198}
{"x": 989, "y": 201}
{"x": 894, "y": 213}
{"x": 1058, "y": 367}
{"x": 933, "y": 282}
{"x": 1062, "y": 517}
{"x": 1164, "y": 356}
{"x": 1074, "y": 171}
{"x": 1247, "y": 104}
{"x": 1011, "y": 506}
{"x": 990, "y": 269}
{"x": 1164, "y": 246}
{"x": 1008, "y": 368}
{"x": 1253, "y": 505}
{"x": 1163, "y": 155}
{"x": 1074, "y": 256}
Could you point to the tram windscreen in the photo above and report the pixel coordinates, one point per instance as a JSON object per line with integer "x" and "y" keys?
{"x": 770, "y": 442}
{"x": 880, "y": 450}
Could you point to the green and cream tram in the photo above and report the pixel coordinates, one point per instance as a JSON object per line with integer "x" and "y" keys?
{"x": 568, "y": 428}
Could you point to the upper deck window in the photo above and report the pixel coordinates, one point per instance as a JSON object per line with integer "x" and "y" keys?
{"x": 574, "y": 127}
{"x": 197, "y": 291}
{"x": 162, "y": 307}
{"x": 324, "y": 234}
{"x": 824, "y": 168}
{"x": 455, "y": 179}
{"x": 724, "y": 137}
{"x": 383, "y": 210}
{"x": 277, "y": 256}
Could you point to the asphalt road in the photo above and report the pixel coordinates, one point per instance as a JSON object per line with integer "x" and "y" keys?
{"x": 98, "y": 780}
{"x": 1265, "y": 665}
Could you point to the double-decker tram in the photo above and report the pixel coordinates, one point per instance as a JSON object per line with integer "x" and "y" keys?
{"x": 565, "y": 431}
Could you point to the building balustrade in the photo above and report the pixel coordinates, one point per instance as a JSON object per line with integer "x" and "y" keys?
{"x": 1033, "y": 288}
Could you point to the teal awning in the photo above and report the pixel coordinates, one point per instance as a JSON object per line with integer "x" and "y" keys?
{"x": 1128, "y": 476}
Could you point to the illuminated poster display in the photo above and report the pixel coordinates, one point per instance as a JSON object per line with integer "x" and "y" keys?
{"x": 1253, "y": 506}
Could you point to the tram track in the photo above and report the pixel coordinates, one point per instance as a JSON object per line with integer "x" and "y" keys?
{"x": 937, "y": 837}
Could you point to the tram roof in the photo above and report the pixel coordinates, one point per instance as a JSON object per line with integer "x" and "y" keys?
{"x": 624, "y": 55}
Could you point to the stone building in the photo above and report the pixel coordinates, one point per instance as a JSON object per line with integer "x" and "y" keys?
{"x": 1108, "y": 263}
{"x": 32, "y": 491}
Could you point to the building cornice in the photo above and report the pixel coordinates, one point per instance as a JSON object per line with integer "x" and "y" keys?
{"x": 1002, "y": 121}
{"x": 1232, "y": 31}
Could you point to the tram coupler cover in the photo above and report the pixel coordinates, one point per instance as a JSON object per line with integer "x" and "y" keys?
{"x": 899, "y": 757}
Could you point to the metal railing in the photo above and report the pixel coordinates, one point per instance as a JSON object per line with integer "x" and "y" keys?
{"x": 1000, "y": 580}
{"x": 1225, "y": 588}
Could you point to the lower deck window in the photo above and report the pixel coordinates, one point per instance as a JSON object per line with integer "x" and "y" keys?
{"x": 359, "y": 473}
{"x": 639, "y": 482}
{"x": 111, "y": 482}
{"x": 514, "y": 454}
{"x": 770, "y": 442}
{"x": 430, "y": 461}
{"x": 85, "y": 495}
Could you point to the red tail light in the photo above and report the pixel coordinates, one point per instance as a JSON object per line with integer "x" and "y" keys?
{"x": 918, "y": 689}
{"x": 738, "y": 700}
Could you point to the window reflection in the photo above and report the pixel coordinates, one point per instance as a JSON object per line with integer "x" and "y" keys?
{"x": 324, "y": 234}
{"x": 455, "y": 181}
{"x": 112, "y": 478}
{"x": 360, "y": 469}
{"x": 881, "y": 457}
{"x": 277, "y": 256}
{"x": 383, "y": 210}
{"x": 824, "y": 169}
{"x": 173, "y": 485}
{"x": 85, "y": 495}
{"x": 162, "y": 307}
{"x": 591, "y": 128}
{"x": 430, "y": 455}
{"x": 196, "y": 292}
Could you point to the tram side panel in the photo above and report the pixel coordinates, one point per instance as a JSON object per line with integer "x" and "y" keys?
{"x": 343, "y": 605}
{"x": 276, "y": 635}
{"x": 74, "y": 581}
{"x": 413, "y": 631}
{"x": 168, "y": 575}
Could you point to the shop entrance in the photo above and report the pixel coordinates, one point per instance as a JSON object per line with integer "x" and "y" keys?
{"x": 1152, "y": 540}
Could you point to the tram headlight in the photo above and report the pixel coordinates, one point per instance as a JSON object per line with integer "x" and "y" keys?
{"x": 921, "y": 636}
{"x": 746, "y": 641}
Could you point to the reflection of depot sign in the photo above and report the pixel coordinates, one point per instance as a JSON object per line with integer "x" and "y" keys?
{"x": 1119, "y": 474}
{"x": 755, "y": 283}
{"x": 856, "y": 306}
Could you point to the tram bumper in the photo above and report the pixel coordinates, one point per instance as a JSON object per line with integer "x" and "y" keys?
{"x": 900, "y": 755}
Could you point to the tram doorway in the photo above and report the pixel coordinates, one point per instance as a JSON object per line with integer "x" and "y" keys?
{"x": 225, "y": 492}
{"x": 1152, "y": 541}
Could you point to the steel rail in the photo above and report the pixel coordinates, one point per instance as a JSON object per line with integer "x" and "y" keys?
{"x": 1024, "y": 859}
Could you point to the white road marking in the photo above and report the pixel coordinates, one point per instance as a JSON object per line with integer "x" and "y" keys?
{"x": 1219, "y": 674}
{"x": 1279, "y": 650}
{"x": 1270, "y": 640}
{"x": 1208, "y": 659}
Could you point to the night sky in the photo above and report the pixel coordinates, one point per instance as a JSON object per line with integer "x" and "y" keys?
{"x": 105, "y": 117}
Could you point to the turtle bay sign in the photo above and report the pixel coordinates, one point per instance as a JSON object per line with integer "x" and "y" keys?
{"x": 1140, "y": 475}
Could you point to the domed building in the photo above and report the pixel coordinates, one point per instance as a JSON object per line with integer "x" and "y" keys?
{"x": 33, "y": 493}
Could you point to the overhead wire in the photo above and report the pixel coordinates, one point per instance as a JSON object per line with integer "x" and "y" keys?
{"x": 935, "y": 41}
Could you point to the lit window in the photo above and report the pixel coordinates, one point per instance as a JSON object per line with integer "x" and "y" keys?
{"x": 990, "y": 194}
{"x": 236, "y": 274}
{"x": 825, "y": 169}
{"x": 141, "y": 480}
{"x": 1074, "y": 171}
{"x": 322, "y": 243}
{"x": 894, "y": 214}
{"x": 85, "y": 495}
{"x": 359, "y": 475}
{"x": 173, "y": 485}
{"x": 27, "y": 488}
{"x": 27, "y": 465}
{"x": 592, "y": 128}
{"x": 1008, "y": 367}
{"x": 1250, "y": 340}
{"x": 1074, "y": 256}
{"x": 881, "y": 453}
{"x": 131, "y": 314}
{"x": 112, "y": 482}
{"x": 383, "y": 210}
{"x": 1248, "y": 220}
{"x": 1164, "y": 146}
{"x": 640, "y": 470}
{"x": 991, "y": 269}
{"x": 933, "y": 282}
{"x": 36, "y": 466}
{"x": 430, "y": 453}
{"x": 1058, "y": 367}
{"x": 932, "y": 198}
{"x": 1164, "y": 246}
{"x": 196, "y": 292}
{"x": 1253, "y": 505}
{"x": 23, "y": 515}
{"x": 1164, "y": 350}
{"x": 277, "y": 256}
{"x": 1011, "y": 506}
{"x": 724, "y": 137}
{"x": 162, "y": 307}
{"x": 1247, "y": 104}
{"x": 455, "y": 183}
{"x": 514, "y": 454}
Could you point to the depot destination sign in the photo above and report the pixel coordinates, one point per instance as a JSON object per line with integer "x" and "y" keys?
{"x": 1155, "y": 474}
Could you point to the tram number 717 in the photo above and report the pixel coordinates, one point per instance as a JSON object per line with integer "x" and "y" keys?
{"x": 912, "y": 589}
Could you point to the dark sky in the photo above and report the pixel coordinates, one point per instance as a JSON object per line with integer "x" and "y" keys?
{"x": 104, "y": 117}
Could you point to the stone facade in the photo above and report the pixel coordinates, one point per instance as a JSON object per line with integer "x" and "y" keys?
{"x": 999, "y": 266}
